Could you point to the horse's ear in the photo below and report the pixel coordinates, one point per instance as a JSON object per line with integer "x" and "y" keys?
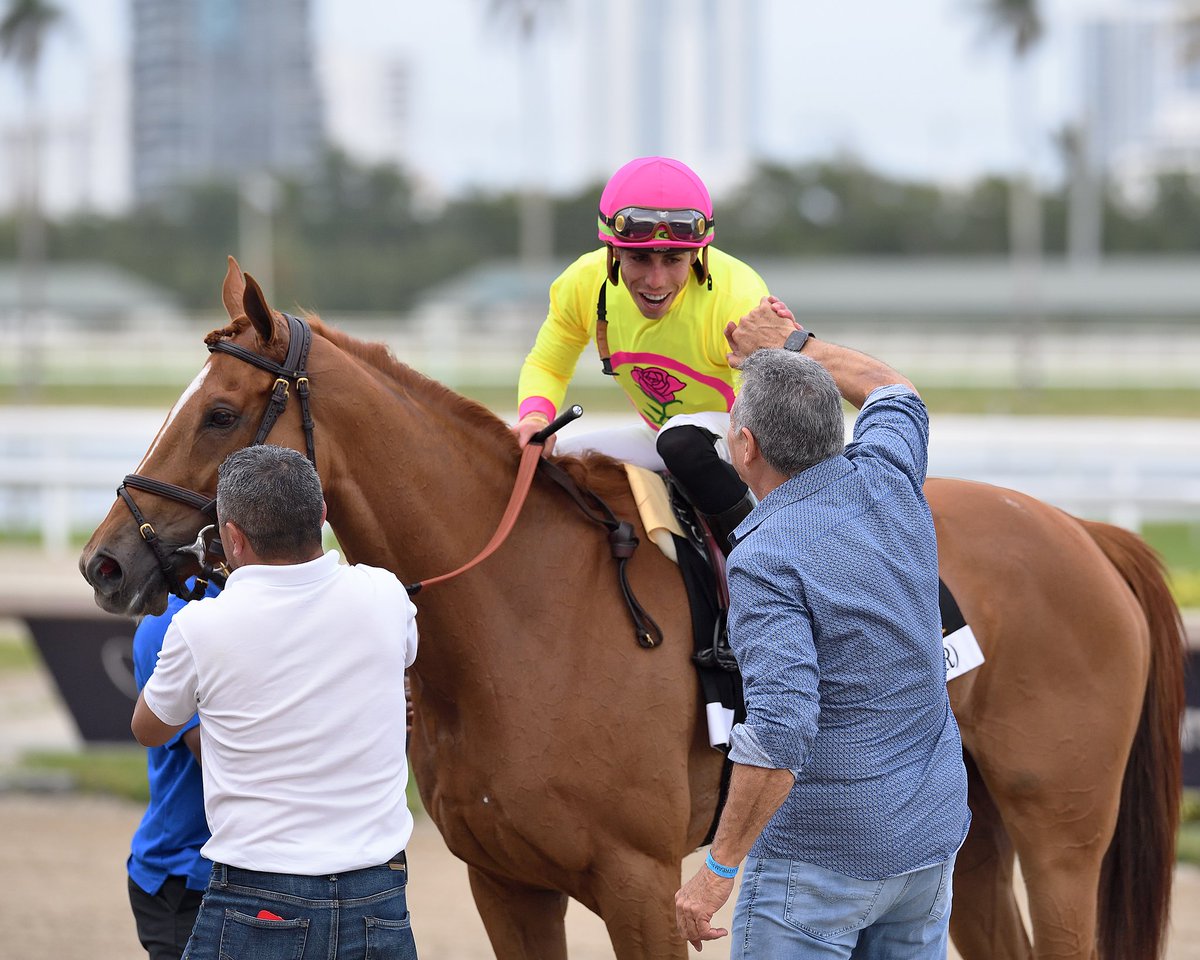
{"x": 233, "y": 290}
{"x": 255, "y": 305}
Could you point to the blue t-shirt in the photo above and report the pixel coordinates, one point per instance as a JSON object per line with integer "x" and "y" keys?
{"x": 173, "y": 829}
{"x": 833, "y": 617}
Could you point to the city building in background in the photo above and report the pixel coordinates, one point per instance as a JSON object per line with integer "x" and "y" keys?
{"x": 504, "y": 94}
{"x": 1141, "y": 94}
{"x": 559, "y": 94}
{"x": 221, "y": 89}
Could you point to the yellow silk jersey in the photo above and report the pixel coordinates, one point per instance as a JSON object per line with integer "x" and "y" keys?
{"x": 672, "y": 365}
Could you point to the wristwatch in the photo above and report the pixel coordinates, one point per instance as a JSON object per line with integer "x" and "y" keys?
{"x": 797, "y": 339}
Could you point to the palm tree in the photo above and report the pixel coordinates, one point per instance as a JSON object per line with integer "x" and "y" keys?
{"x": 536, "y": 228}
{"x": 1020, "y": 24}
{"x": 1085, "y": 197}
{"x": 23, "y": 32}
{"x": 1021, "y": 20}
{"x": 1188, "y": 17}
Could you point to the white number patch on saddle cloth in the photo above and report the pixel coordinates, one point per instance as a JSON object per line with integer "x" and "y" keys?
{"x": 962, "y": 652}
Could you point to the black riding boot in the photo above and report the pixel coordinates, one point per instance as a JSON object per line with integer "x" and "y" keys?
{"x": 724, "y": 523}
{"x": 709, "y": 483}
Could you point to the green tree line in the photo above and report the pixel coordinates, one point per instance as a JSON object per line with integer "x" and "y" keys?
{"x": 361, "y": 237}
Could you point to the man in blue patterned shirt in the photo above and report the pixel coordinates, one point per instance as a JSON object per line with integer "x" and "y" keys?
{"x": 849, "y": 793}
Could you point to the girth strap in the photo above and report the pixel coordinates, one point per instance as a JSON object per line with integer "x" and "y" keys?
{"x": 621, "y": 539}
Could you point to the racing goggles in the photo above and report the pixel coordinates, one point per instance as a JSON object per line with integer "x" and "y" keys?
{"x": 645, "y": 224}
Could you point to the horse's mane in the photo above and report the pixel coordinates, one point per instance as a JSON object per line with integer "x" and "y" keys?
{"x": 380, "y": 357}
{"x": 601, "y": 474}
{"x": 597, "y": 472}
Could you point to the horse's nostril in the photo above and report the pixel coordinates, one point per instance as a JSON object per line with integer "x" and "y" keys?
{"x": 104, "y": 571}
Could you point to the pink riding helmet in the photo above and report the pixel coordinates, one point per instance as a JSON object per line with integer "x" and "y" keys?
{"x": 660, "y": 184}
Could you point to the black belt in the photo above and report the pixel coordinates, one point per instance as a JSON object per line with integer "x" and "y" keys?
{"x": 398, "y": 862}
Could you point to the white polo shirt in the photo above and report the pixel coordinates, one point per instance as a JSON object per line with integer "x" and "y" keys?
{"x": 297, "y": 672}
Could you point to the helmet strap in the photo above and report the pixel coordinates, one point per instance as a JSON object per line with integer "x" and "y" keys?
{"x": 614, "y": 266}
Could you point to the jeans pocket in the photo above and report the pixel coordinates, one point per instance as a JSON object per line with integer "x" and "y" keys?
{"x": 390, "y": 939}
{"x": 826, "y": 904}
{"x": 941, "y": 900}
{"x": 249, "y": 938}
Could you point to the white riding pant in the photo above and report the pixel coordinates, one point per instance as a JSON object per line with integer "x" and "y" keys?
{"x": 636, "y": 443}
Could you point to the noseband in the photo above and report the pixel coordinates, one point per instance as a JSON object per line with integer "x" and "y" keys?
{"x": 292, "y": 370}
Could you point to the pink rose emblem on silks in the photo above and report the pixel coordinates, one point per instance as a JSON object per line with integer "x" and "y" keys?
{"x": 659, "y": 386}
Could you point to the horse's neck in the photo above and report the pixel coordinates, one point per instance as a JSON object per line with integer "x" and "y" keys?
{"x": 415, "y": 479}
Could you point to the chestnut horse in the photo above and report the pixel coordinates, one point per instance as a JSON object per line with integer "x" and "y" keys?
{"x": 559, "y": 759}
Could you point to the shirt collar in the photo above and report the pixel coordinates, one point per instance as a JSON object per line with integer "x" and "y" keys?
{"x": 795, "y": 488}
{"x": 287, "y": 574}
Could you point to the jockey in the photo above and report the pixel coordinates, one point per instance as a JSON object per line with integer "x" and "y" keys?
{"x": 656, "y": 299}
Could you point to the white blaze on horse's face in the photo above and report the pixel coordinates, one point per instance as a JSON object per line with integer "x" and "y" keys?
{"x": 187, "y": 394}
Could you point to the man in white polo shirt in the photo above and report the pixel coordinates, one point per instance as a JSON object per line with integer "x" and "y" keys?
{"x": 297, "y": 673}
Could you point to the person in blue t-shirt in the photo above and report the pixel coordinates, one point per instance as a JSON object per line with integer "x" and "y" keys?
{"x": 167, "y": 876}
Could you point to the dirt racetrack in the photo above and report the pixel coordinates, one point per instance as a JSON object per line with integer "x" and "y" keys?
{"x": 62, "y": 861}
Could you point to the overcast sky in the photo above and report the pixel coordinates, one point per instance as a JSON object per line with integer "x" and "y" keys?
{"x": 912, "y": 87}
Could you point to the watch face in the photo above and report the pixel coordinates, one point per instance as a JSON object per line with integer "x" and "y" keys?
{"x": 796, "y": 340}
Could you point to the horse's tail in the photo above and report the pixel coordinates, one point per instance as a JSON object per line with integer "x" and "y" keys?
{"x": 1135, "y": 887}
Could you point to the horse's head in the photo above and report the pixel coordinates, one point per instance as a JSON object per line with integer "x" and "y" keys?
{"x": 132, "y": 559}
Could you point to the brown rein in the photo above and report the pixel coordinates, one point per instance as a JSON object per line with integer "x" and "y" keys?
{"x": 621, "y": 538}
{"x": 525, "y": 471}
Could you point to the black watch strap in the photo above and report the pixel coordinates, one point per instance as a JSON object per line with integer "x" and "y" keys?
{"x": 797, "y": 339}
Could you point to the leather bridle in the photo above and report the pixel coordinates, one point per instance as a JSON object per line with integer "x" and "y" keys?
{"x": 622, "y": 540}
{"x": 291, "y": 371}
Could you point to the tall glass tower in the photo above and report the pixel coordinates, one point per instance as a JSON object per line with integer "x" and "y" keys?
{"x": 221, "y": 89}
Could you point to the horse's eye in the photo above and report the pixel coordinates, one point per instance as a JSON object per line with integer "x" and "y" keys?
{"x": 222, "y": 418}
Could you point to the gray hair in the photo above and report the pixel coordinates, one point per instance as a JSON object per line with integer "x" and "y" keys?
{"x": 793, "y": 408}
{"x": 274, "y": 495}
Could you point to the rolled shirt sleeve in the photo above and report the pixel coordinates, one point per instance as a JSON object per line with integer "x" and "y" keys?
{"x": 771, "y": 635}
{"x": 412, "y": 636}
{"x": 896, "y": 431}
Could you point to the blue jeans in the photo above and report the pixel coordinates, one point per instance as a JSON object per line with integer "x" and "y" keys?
{"x": 788, "y": 908}
{"x": 359, "y": 915}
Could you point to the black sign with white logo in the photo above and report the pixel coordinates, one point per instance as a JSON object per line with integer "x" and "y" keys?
{"x": 91, "y": 659}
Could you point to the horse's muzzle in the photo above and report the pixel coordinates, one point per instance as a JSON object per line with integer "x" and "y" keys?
{"x": 118, "y": 590}
{"x": 103, "y": 572}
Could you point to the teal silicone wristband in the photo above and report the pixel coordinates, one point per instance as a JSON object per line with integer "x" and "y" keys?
{"x": 719, "y": 868}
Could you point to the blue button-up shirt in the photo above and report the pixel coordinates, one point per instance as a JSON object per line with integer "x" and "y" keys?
{"x": 834, "y": 620}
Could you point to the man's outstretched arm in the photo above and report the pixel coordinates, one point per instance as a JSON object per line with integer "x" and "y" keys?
{"x": 771, "y": 323}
